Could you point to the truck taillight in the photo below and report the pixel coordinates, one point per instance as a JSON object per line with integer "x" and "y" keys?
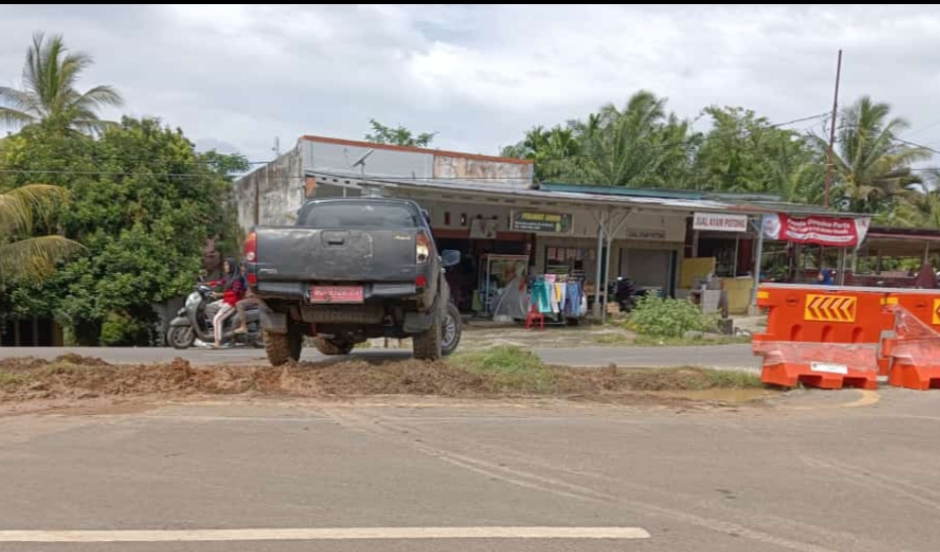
{"x": 251, "y": 244}
{"x": 422, "y": 248}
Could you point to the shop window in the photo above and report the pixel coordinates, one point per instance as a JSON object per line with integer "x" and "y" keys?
{"x": 565, "y": 260}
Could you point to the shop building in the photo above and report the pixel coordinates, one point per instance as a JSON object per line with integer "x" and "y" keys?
{"x": 591, "y": 238}
{"x": 489, "y": 208}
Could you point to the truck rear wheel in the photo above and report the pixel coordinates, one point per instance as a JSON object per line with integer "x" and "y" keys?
{"x": 332, "y": 347}
{"x": 282, "y": 348}
{"x": 451, "y": 327}
{"x": 427, "y": 344}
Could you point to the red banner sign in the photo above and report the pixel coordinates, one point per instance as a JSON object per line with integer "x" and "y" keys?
{"x": 828, "y": 231}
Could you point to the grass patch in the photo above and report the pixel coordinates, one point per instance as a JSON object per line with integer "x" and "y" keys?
{"x": 510, "y": 368}
{"x": 733, "y": 379}
{"x": 653, "y": 341}
{"x": 9, "y": 380}
{"x": 690, "y": 379}
{"x": 613, "y": 339}
{"x": 62, "y": 368}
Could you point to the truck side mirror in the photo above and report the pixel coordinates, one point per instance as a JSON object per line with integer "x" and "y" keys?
{"x": 450, "y": 257}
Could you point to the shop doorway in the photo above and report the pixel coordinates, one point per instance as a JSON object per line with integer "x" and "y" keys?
{"x": 653, "y": 270}
{"x": 464, "y": 278}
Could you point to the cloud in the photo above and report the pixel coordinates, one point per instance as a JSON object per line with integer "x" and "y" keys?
{"x": 481, "y": 75}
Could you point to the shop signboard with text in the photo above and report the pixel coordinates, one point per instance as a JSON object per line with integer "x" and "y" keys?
{"x": 815, "y": 229}
{"x": 720, "y": 222}
{"x": 536, "y": 221}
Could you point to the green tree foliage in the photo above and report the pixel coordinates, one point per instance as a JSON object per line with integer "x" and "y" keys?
{"x": 872, "y": 168}
{"x": 48, "y": 95}
{"x": 24, "y": 254}
{"x": 642, "y": 145}
{"x": 638, "y": 146}
{"x": 633, "y": 147}
{"x": 226, "y": 165}
{"x": 554, "y": 151}
{"x": 144, "y": 204}
{"x": 399, "y": 136}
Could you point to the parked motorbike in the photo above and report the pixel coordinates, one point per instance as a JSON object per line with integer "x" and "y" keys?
{"x": 194, "y": 321}
{"x": 624, "y": 292}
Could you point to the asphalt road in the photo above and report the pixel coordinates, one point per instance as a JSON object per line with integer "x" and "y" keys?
{"x": 815, "y": 472}
{"x": 717, "y": 356}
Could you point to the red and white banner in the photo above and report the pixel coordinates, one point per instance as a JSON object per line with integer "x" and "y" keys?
{"x": 828, "y": 231}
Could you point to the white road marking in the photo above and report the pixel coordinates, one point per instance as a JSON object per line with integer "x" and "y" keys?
{"x": 342, "y": 533}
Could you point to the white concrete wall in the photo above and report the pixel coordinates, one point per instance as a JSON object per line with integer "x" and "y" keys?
{"x": 486, "y": 170}
{"x": 278, "y": 188}
{"x": 381, "y": 162}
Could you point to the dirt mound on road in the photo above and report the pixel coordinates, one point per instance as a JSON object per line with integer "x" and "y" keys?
{"x": 478, "y": 375}
{"x": 77, "y": 377}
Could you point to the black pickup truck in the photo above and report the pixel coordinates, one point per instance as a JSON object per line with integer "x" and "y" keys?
{"x": 350, "y": 270}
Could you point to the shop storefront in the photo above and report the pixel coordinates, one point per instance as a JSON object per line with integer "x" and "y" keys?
{"x": 511, "y": 238}
{"x": 719, "y": 248}
{"x": 504, "y": 247}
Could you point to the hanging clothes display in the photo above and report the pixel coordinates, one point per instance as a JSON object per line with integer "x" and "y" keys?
{"x": 541, "y": 296}
{"x": 573, "y": 300}
{"x": 557, "y": 295}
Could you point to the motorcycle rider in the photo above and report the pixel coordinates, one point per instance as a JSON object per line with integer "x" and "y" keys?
{"x": 232, "y": 293}
{"x": 249, "y": 300}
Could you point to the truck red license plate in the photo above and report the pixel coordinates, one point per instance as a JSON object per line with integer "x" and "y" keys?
{"x": 336, "y": 294}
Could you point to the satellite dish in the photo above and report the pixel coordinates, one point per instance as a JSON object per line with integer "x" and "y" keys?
{"x": 362, "y": 159}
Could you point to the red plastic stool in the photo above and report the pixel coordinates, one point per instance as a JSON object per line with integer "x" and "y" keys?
{"x": 534, "y": 316}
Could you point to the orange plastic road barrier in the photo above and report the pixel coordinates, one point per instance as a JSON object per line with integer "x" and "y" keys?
{"x": 924, "y": 304}
{"x": 914, "y": 351}
{"x": 819, "y": 314}
{"x": 822, "y": 365}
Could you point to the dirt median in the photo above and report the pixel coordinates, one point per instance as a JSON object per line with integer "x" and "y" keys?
{"x": 71, "y": 377}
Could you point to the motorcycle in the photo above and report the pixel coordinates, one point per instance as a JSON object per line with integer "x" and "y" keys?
{"x": 624, "y": 292}
{"x": 194, "y": 321}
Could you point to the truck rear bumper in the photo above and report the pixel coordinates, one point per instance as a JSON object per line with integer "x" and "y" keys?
{"x": 375, "y": 290}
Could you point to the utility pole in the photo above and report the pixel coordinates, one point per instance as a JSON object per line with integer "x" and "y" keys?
{"x": 832, "y": 132}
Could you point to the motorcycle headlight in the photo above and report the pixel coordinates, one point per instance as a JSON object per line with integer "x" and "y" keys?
{"x": 193, "y": 299}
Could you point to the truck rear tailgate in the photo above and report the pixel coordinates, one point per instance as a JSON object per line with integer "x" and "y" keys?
{"x": 315, "y": 255}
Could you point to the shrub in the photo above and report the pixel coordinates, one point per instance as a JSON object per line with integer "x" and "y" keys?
{"x": 119, "y": 329}
{"x": 667, "y": 317}
{"x": 509, "y": 368}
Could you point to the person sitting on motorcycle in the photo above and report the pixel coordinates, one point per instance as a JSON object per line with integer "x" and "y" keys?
{"x": 250, "y": 300}
{"x": 232, "y": 292}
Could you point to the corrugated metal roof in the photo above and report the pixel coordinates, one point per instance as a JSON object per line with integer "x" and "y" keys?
{"x": 490, "y": 189}
{"x": 762, "y": 203}
{"x": 593, "y": 198}
{"x": 657, "y": 192}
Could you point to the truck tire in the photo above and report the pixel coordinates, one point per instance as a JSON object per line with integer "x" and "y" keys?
{"x": 282, "y": 348}
{"x": 451, "y": 328}
{"x": 331, "y": 347}
{"x": 427, "y": 344}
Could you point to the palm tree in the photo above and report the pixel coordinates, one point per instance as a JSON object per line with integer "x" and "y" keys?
{"x": 872, "y": 168}
{"x": 633, "y": 147}
{"x": 23, "y": 211}
{"x": 49, "y": 95}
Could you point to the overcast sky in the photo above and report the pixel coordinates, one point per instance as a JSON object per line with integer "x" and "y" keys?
{"x": 234, "y": 77}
